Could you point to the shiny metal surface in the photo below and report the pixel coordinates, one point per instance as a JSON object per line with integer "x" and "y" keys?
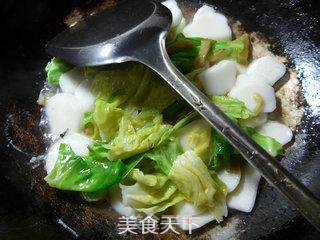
{"x": 142, "y": 39}
{"x": 115, "y": 35}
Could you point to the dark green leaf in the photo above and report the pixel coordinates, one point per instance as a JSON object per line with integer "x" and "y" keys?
{"x": 176, "y": 110}
{"x": 183, "y": 52}
{"x": 184, "y": 61}
{"x": 221, "y": 151}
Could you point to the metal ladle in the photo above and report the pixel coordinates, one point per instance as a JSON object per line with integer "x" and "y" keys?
{"x": 135, "y": 30}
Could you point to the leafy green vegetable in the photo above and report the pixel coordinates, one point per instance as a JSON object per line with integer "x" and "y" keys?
{"x": 191, "y": 53}
{"x": 90, "y": 126}
{"x": 201, "y": 60}
{"x": 138, "y": 132}
{"x": 98, "y": 150}
{"x": 232, "y": 48}
{"x": 224, "y": 49}
{"x": 116, "y": 90}
{"x": 165, "y": 155}
{"x": 185, "y": 120}
{"x": 233, "y": 107}
{"x": 128, "y": 110}
{"x": 152, "y": 193}
{"x": 199, "y": 141}
{"x": 184, "y": 61}
{"x": 272, "y": 146}
{"x": 134, "y": 85}
{"x": 176, "y": 110}
{"x": 222, "y": 150}
{"x": 87, "y": 174}
{"x": 169, "y": 147}
{"x": 54, "y": 69}
{"x": 95, "y": 196}
{"x": 107, "y": 117}
{"x": 196, "y": 137}
{"x": 183, "y": 52}
{"x": 172, "y": 36}
{"x": 193, "y": 77}
{"x": 155, "y": 180}
{"x": 221, "y": 153}
{"x": 194, "y": 181}
{"x": 96, "y": 172}
{"x": 237, "y": 49}
{"x": 88, "y": 118}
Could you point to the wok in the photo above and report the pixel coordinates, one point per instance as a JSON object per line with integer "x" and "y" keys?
{"x": 31, "y": 210}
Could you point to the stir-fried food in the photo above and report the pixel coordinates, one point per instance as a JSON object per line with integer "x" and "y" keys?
{"x": 124, "y": 135}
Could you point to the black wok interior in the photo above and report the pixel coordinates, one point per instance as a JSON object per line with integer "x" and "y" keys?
{"x": 293, "y": 27}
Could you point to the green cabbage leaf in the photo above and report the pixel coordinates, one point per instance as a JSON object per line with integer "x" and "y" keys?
{"x": 92, "y": 173}
{"x": 151, "y": 193}
{"x": 237, "y": 49}
{"x": 138, "y": 132}
{"x": 232, "y": 107}
{"x": 193, "y": 179}
{"x": 272, "y": 146}
{"x": 128, "y": 110}
{"x": 55, "y": 68}
{"x": 185, "y": 53}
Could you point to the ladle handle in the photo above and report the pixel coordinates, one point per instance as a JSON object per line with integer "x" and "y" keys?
{"x": 271, "y": 169}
